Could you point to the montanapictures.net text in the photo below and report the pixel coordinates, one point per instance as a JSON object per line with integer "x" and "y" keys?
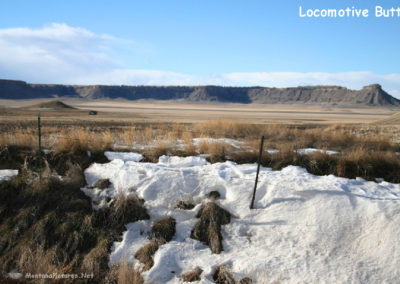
{"x": 59, "y": 276}
{"x": 379, "y": 12}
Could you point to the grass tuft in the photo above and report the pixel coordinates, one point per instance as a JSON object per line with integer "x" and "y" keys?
{"x": 145, "y": 254}
{"x": 163, "y": 229}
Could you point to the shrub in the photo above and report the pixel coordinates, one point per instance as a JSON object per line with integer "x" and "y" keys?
{"x": 163, "y": 229}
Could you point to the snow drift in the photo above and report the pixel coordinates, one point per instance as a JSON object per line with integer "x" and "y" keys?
{"x": 7, "y": 174}
{"x": 304, "y": 228}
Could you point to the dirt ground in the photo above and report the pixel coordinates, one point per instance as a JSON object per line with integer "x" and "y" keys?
{"x": 129, "y": 112}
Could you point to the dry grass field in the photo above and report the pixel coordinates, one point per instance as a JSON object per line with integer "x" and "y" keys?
{"x": 364, "y": 147}
{"x": 126, "y": 111}
{"x": 259, "y": 114}
{"x": 70, "y": 237}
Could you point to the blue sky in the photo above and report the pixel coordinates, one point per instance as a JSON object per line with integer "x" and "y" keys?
{"x": 190, "y": 42}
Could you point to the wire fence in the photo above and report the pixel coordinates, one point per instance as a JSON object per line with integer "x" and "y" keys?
{"x": 130, "y": 137}
{"x": 246, "y": 131}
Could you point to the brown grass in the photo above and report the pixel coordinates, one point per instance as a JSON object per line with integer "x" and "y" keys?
{"x": 368, "y": 164}
{"x": 96, "y": 260}
{"x": 222, "y": 275}
{"x": 164, "y": 139}
{"x": 83, "y": 140}
{"x": 19, "y": 137}
{"x": 50, "y": 227}
{"x": 129, "y": 136}
{"x": 218, "y": 151}
{"x": 79, "y": 136}
{"x": 37, "y": 260}
{"x": 193, "y": 275}
{"x": 163, "y": 229}
{"x": 145, "y": 254}
{"x": 123, "y": 273}
{"x": 160, "y": 148}
{"x": 208, "y": 228}
{"x": 128, "y": 209}
{"x": 364, "y": 152}
{"x": 128, "y": 275}
{"x": 226, "y": 128}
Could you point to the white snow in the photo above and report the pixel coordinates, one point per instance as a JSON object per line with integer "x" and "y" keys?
{"x": 233, "y": 142}
{"x": 15, "y": 274}
{"x": 182, "y": 162}
{"x": 7, "y": 174}
{"x": 304, "y": 228}
{"x": 124, "y": 156}
{"x": 309, "y": 151}
{"x": 47, "y": 151}
{"x": 237, "y": 145}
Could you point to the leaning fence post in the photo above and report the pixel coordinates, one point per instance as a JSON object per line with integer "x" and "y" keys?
{"x": 40, "y": 149}
{"x": 258, "y": 170}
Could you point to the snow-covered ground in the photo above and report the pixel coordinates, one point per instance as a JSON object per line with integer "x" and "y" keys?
{"x": 124, "y": 156}
{"x": 237, "y": 145}
{"x": 304, "y": 228}
{"x": 7, "y": 174}
{"x": 309, "y": 151}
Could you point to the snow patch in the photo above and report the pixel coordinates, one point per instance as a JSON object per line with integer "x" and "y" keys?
{"x": 304, "y": 228}
{"x": 7, "y": 174}
{"x": 233, "y": 142}
{"x": 182, "y": 162}
{"x": 124, "y": 156}
{"x": 309, "y": 151}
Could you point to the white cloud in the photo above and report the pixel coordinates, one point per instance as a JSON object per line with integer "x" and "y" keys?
{"x": 59, "y": 53}
{"x": 136, "y": 77}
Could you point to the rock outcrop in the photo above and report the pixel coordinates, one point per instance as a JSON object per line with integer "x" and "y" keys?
{"x": 372, "y": 95}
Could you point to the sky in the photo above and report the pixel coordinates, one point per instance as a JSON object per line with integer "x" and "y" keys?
{"x": 189, "y": 42}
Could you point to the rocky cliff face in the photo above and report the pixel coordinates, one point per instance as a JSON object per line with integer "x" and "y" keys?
{"x": 371, "y": 95}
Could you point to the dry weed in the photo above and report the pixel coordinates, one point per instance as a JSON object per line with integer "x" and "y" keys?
{"x": 129, "y": 136}
{"x": 128, "y": 275}
{"x": 37, "y": 260}
{"x": 145, "y": 254}
{"x": 225, "y": 128}
{"x": 96, "y": 260}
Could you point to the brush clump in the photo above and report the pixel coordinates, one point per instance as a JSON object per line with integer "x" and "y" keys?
{"x": 208, "y": 229}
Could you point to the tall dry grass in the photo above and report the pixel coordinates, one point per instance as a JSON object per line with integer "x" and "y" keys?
{"x": 334, "y": 137}
{"x": 226, "y": 128}
{"x": 128, "y": 275}
{"x": 82, "y": 140}
{"x": 37, "y": 260}
{"x": 19, "y": 137}
{"x": 129, "y": 136}
{"x": 358, "y": 145}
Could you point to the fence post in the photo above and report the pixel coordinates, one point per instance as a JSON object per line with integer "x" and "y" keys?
{"x": 258, "y": 170}
{"x": 40, "y": 149}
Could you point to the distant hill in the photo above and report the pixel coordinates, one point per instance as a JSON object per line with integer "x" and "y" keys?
{"x": 371, "y": 95}
{"x": 393, "y": 120}
{"x": 53, "y": 105}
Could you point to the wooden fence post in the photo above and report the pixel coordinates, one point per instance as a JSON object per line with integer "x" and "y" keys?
{"x": 258, "y": 170}
{"x": 40, "y": 149}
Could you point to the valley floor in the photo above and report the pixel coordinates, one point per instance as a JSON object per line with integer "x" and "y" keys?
{"x": 159, "y": 111}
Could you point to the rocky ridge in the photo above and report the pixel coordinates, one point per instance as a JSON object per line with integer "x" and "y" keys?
{"x": 372, "y": 95}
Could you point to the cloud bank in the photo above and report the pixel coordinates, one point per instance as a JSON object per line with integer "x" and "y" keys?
{"x": 62, "y": 54}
